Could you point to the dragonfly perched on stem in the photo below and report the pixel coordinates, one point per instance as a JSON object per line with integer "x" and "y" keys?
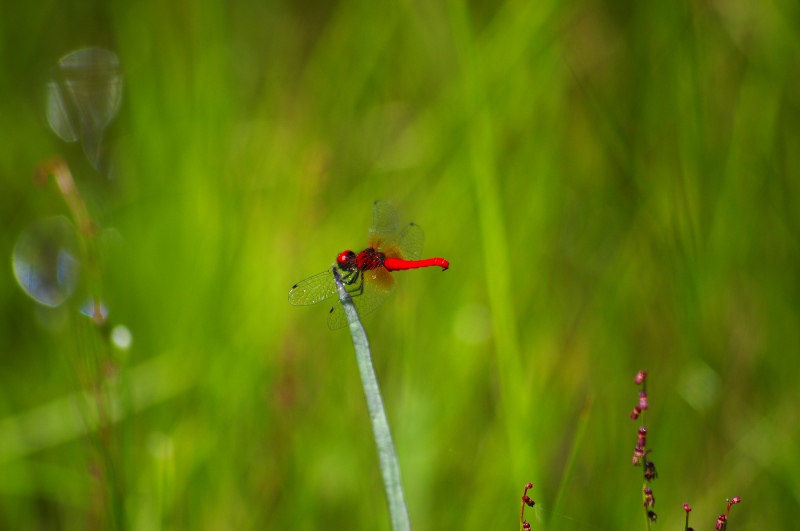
{"x": 367, "y": 275}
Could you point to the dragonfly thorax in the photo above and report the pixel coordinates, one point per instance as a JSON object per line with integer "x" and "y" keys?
{"x": 369, "y": 258}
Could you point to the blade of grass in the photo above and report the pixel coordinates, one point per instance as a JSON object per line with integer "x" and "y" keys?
{"x": 390, "y": 466}
{"x": 572, "y": 459}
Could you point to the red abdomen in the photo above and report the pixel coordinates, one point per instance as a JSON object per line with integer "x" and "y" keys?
{"x": 398, "y": 264}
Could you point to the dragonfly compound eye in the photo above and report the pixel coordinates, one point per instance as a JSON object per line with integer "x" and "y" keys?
{"x": 346, "y": 259}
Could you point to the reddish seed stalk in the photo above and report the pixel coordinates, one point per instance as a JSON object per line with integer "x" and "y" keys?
{"x": 688, "y": 509}
{"x": 722, "y": 521}
{"x": 526, "y": 500}
{"x": 641, "y": 451}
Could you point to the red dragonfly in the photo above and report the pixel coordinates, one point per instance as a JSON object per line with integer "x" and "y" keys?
{"x": 367, "y": 275}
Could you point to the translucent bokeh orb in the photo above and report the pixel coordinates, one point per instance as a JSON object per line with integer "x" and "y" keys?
{"x": 46, "y": 260}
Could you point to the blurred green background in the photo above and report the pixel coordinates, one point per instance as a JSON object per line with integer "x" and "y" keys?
{"x": 614, "y": 183}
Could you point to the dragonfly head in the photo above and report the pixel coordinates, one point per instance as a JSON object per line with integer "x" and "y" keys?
{"x": 347, "y": 260}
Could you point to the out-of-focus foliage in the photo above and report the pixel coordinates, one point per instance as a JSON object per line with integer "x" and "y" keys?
{"x": 614, "y": 184}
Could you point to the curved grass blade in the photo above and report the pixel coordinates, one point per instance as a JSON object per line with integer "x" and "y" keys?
{"x": 390, "y": 467}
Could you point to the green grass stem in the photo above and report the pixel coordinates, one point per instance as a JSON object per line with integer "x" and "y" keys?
{"x": 390, "y": 466}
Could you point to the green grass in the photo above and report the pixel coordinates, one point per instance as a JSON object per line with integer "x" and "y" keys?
{"x": 614, "y": 185}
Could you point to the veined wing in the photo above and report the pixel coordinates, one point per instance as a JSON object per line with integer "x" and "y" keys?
{"x": 384, "y": 221}
{"x": 313, "y": 289}
{"x": 409, "y": 242}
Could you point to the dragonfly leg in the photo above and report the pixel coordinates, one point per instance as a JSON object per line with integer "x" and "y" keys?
{"x": 360, "y": 289}
{"x": 350, "y": 278}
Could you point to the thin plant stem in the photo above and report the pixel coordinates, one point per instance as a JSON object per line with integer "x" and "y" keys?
{"x": 94, "y": 344}
{"x": 390, "y": 466}
{"x": 644, "y": 485}
{"x": 647, "y": 520}
{"x": 87, "y": 228}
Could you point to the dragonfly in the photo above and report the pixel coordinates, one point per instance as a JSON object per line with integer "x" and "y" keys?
{"x": 367, "y": 276}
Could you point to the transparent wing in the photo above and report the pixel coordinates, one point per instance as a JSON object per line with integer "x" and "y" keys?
{"x": 313, "y": 289}
{"x": 384, "y": 221}
{"x": 409, "y": 242}
{"x": 378, "y": 285}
